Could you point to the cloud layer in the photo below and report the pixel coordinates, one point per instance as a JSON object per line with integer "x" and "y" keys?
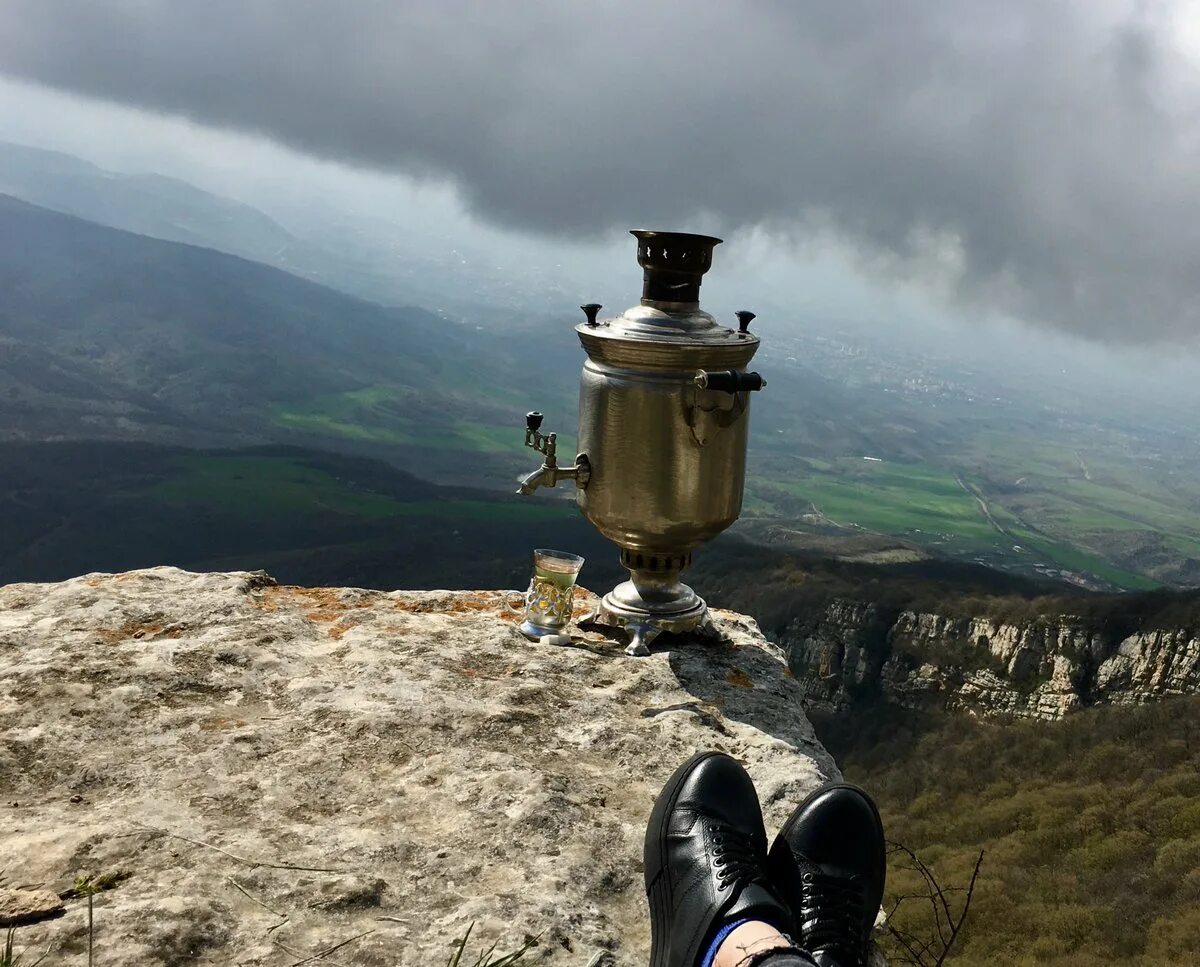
{"x": 1035, "y": 157}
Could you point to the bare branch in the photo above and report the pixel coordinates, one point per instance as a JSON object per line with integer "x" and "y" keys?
{"x": 945, "y": 925}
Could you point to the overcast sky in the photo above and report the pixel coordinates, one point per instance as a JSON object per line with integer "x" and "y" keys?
{"x": 1038, "y": 159}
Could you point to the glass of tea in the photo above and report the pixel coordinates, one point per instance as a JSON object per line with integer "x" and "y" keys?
{"x": 550, "y": 599}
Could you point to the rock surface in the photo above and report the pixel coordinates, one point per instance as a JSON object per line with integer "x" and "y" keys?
{"x": 283, "y": 769}
{"x": 28, "y": 906}
{"x": 1044, "y": 668}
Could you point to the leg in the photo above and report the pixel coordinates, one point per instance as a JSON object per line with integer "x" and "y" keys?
{"x": 758, "y": 942}
{"x": 640, "y": 638}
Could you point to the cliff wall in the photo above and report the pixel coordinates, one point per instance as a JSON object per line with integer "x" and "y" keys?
{"x": 281, "y": 771}
{"x": 1041, "y": 668}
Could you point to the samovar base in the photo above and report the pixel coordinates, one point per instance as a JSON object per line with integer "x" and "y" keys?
{"x": 647, "y": 608}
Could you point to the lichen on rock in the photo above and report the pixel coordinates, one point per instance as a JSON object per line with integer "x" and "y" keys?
{"x": 281, "y": 769}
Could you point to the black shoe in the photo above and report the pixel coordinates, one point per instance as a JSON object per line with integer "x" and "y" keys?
{"x": 706, "y": 854}
{"x": 829, "y": 862}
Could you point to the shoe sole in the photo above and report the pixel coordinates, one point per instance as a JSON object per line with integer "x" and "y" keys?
{"x": 658, "y": 889}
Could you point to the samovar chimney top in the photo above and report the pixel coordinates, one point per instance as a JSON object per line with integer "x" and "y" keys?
{"x": 673, "y": 264}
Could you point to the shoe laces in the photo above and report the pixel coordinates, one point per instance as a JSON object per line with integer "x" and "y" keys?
{"x": 831, "y": 918}
{"x": 736, "y": 856}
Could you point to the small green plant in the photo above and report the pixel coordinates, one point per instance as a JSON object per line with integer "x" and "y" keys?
{"x": 89, "y": 886}
{"x": 10, "y": 959}
{"x": 487, "y": 957}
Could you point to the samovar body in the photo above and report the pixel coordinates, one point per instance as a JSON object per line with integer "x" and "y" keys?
{"x": 664, "y": 405}
{"x": 668, "y": 457}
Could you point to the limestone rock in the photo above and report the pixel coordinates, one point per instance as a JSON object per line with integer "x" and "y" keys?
{"x": 28, "y": 906}
{"x": 1044, "y": 668}
{"x": 284, "y": 769}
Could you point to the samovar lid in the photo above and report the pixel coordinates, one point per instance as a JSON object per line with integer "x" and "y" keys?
{"x": 669, "y": 315}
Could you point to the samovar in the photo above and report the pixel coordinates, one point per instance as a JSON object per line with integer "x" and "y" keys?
{"x": 664, "y": 407}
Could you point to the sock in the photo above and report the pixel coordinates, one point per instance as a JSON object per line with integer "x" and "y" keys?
{"x": 711, "y": 954}
{"x": 786, "y": 958}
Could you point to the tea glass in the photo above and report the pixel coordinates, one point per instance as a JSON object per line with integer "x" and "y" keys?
{"x": 549, "y": 602}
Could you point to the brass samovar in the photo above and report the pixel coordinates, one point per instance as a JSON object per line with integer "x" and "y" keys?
{"x": 664, "y": 408}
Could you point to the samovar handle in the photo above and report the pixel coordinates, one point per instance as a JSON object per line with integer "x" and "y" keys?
{"x": 729, "y": 381}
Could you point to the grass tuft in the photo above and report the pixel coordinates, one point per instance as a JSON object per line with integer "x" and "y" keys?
{"x": 488, "y": 958}
{"x": 9, "y": 958}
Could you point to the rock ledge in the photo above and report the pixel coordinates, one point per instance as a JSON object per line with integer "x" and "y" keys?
{"x": 280, "y": 769}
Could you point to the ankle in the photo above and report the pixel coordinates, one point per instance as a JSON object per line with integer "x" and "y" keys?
{"x": 750, "y": 940}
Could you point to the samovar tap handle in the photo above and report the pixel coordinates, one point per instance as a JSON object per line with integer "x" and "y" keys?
{"x": 550, "y": 473}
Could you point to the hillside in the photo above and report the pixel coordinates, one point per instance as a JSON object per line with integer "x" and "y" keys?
{"x": 108, "y": 334}
{"x": 1090, "y": 827}
{"x": 315, "y": 517}
{"x": 369, "y": 252}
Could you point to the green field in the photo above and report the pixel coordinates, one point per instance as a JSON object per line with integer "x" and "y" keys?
{"x": 384, "y": 415}
{"x": 262, "y": 487}
{"x": 1048, "y": 524}
{"x": 891, "y": 498}
{"x": 1022, "y": 501}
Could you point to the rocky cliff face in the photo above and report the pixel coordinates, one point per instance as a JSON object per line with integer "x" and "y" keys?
{"x": 283, "y": 770}
{"x": 1043, "y": 668}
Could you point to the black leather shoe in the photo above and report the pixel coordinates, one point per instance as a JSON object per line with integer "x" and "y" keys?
{"x": 828, "y": 863}
{"x": 706, "y": 854}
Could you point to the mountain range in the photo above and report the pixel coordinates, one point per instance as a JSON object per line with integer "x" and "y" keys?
{"x": 130, "y": 331}
{"x": 183, "y": 382}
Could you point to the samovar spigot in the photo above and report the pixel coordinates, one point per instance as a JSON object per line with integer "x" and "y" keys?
{"x": 550, "y": 473}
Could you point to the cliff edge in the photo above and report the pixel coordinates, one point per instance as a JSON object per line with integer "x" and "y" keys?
{"x": 1043, "y": 667}
{"x": 280, "y": 770}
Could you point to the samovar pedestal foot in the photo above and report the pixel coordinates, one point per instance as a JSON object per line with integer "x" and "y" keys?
{"x": 640, "y": 637}
{"x": 647, "y": 607}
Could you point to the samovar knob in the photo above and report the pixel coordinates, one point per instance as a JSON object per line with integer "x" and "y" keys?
{"x": 745, "y": 317}
{"x": 590, "y": 310}
{"x": 533, "y": 420}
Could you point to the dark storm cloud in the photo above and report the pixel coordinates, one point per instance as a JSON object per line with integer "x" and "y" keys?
{"x": 1042, "y": 155}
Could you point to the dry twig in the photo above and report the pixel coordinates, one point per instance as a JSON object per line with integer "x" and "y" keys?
{"x": 253, "y": 864}
{"x": 323, "y": 954}
{"x": 945, "y": 926}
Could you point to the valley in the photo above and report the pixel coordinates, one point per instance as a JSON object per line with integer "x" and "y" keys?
{"x": 310, "y": 517}
{"x": 860, "y": 436}
{"x": 165, "y": 403}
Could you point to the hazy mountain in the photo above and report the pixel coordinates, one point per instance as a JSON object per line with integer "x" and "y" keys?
{"x": 149, "y": 204}
{"x": 106, "y": 333}
{"x": 383, "y": 259}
